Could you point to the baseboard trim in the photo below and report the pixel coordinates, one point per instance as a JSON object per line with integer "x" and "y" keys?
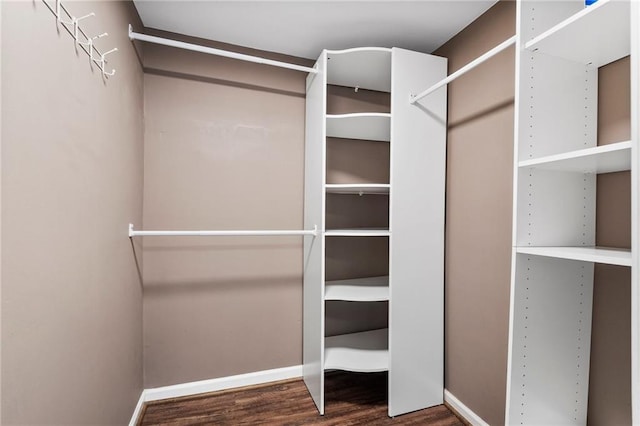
{"x": 260, "y": 377}
{"x": 138, "y": 411}
{"x": 464, "y": 411}
{"x": 222, "y": 383}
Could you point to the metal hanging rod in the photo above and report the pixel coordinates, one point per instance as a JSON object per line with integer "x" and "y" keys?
{"x": 88, "y": 45}
{"x": 471, "y": 65}
{"x": 134, "y": 233}
{"x": 217, "y": 52}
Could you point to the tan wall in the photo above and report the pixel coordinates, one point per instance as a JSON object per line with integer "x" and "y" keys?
{"x": 71, "y": 183}
{"x": 478, "y": 239}
{"x": 478, "y": 215}
{"x": 610, "y": 368}
{"x": 224, "y": 146}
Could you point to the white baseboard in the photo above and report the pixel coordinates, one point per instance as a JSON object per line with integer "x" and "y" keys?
{"x": 212, "y": 385}
{"x": 136, "y": 413}
{"x": 260, "y": 377}
{"x": 463, "y": 410}
{"x": 222, "y": 383}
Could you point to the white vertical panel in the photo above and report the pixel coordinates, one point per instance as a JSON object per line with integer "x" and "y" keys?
{"x": 314, "y": 209}
{"x": 550, "y": 313}
{"x": 538, "y": 16}
{"x": 635, "y": 212}
{"x": 551, "y": 341}
{"x": 558, "y": 106}
{"x": 416, "y": 254}
{"x": 556, "y": 208}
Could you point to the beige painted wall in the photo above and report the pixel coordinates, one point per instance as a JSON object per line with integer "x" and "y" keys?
{"x": 71, "y": 183}
{"x": 478, "y": 239}
{"x": 610, "y": 369}
{"x": 478, "y": 215}
{"x": 224, "y": 145}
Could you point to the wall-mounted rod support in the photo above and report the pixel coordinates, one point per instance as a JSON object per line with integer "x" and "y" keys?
{"x": 134, "y": 233}
{"x": 471, "y": 65}
{"x": 217, "y": 52}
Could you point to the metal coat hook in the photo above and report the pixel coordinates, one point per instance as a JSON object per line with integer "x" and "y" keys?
{"x": 80, "y": 37}
{"x": 103, "y": 61}
{"x": 75, "y": 24}
{"x": 59, "y": 15}
{"x": 89, "y": 44}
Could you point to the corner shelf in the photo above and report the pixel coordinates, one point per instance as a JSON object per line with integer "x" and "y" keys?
{"x": 596, "y": 36}
{"x": 610, "y": 158}
{"x": 363, "y": 232}
{"x": 366, "y": 126}
{"x": 366, "y": 67}
{"x": 364, "y": 188}
{"x": 364, "y": 352}
{"x": 610, "y": 256}
{"x": 369, "y": 289}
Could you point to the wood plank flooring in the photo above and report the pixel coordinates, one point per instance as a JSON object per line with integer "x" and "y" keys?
{"x": 351, "y": 399}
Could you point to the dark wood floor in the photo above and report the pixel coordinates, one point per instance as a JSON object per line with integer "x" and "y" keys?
{"x": 351, "y": 399}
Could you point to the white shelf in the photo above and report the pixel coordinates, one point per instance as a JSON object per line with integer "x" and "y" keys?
{"x": 363, "y": 232}
{"x": 364, "y": 188}
{"x": 597, "y": 35}
{"x": 366, "y": 68}
{"x": 610, "y": 158}
{"x": 369, "y": 289}
{"x": 364, "y": 352}
{"x": 609, "y": 256}
{"x": 366, "y": 126}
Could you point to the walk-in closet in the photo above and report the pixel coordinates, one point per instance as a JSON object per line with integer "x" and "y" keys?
{"x": 305, "y": 212}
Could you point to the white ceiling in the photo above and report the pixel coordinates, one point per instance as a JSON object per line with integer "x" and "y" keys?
{"x": 304, "y": 27}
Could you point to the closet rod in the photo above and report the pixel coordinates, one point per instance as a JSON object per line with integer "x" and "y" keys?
{"x": 217, "y": 52}
{"x": 471, "y": 65}
{"x": 134, "y": 233}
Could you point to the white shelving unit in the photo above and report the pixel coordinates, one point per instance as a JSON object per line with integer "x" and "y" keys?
{"x": 560, "y": 46}
{"x": 411, "y": 349}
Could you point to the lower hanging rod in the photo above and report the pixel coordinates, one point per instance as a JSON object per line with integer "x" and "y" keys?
{"x": 134, "y": 233}
{"x": 217, "y": 52}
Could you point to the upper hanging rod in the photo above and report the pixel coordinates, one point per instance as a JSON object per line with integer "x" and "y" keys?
{"x": 471, "y": 65}
{"x": 133, "y": 233}
{"x": 218, "y": 52}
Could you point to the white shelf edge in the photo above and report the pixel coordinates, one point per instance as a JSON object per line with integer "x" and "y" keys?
{"x": 384, "y": 115}
{"x": 374, "y": 126}
{"x": 364, "y": 352}
{"x": 531, "y": 44}
{"x": 359, "y": 49}
{"x": 610, "y": 256}
{"x": 365, "y": 232}
{"x": 368, "y": 289}
{"x": 578, "y": 159}
{"x": 592, "y": 11}
{"x": 367, "y": 68}
{"x": 364, "y": 188}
